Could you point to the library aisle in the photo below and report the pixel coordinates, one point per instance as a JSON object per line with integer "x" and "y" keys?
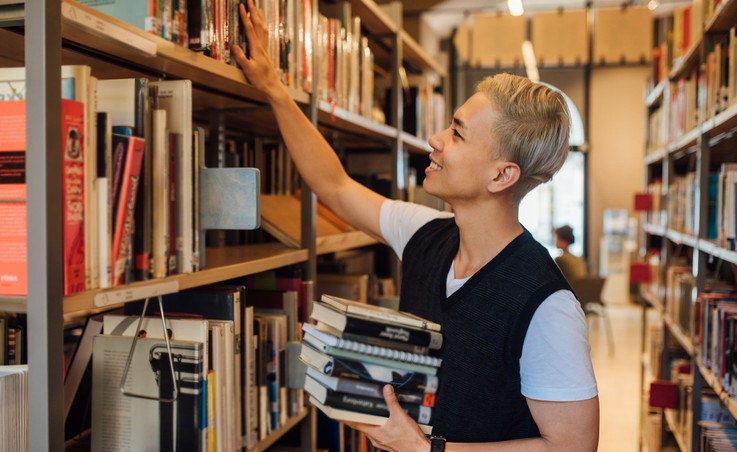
{"x": 618, "y": 377}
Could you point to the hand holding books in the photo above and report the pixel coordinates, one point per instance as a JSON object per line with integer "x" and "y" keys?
{"x": 346, "y": 377}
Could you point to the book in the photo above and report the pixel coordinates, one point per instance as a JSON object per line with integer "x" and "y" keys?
{"x": 175, "y": 96}
{"x": 353, "y": 369}
{"x": 379, "y": 313}
{"x": 354, "y": 416}
{"x": 128, "y": 156}
{"x": 365, "y": 405}
{"x": 73, "y": 195}
{"x": 14, "y": 407}
{"x": 369, "y": 389}
{"x": 158, "y": 426}
{"x": 357, "y": 328}
{"x": 13, "y": 238}
{"x": 339, "y": 352}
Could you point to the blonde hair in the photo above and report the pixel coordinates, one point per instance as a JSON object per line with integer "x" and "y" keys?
{"x": 532, "y": 130}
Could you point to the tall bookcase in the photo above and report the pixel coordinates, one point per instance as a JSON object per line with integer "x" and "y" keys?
{"x": 38, "y": 35}
{"x": 692, "y": 117}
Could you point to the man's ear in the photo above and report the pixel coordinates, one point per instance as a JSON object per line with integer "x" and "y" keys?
{"x": 507, "y": 175}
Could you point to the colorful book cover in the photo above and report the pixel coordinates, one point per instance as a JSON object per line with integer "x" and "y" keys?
{"x": 13, "y": 256}
{"x": 125, "y": 202}
{"x": 72, "y": 128}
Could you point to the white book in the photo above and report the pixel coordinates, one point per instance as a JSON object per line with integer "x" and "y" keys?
{"x": 160, "y": 175}
{"x": 353, "y": 416}
{"x": 378, "y": 313}
{"x": 175, "y": 96}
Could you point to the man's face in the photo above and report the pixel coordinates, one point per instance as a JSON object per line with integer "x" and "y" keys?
{"x": 460, "y": 164}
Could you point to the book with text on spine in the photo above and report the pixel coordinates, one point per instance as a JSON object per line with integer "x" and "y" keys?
{"x": 130, "y": 152}
{"x": 340, "y": 352}
{"x": 354, "y": 327}
{"x": 73, "y": 192}
{"x": 358, "y": 370}
{"x": 361, "y": 405}
{"x": 369, "y": 388}
{"x": 378, "y": 313}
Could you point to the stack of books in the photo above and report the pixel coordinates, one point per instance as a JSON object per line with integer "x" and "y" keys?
{"x": 355, "y": 349}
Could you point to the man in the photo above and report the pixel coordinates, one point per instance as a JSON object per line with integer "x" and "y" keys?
{"x": 478, "y": 273}
{"x": 572, "y": 267}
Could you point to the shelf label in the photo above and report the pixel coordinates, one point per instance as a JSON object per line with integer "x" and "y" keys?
{"x": 127, "y": 294}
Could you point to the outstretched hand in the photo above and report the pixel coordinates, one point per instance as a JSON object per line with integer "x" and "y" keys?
{"x": 398, "y": 434}
{"x": 257, "y": 67}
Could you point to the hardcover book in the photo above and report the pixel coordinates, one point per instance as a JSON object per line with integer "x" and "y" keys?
{"x": 338, "y": 348}
{"x": 361, "y": 404}
{"x": 357, "y": 370}
{"x": 379, "y": 313}
{"x": 353, "y": 327}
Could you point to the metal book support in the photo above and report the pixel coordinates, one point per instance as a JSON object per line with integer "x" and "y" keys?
{"x": 175, "y": 390}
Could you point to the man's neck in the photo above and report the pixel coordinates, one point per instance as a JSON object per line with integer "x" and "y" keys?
{"x": 484, "y": 233}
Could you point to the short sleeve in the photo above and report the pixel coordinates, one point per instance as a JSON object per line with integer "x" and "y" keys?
{"x": 556, "y": 362}
{"x": 399, "y": 220}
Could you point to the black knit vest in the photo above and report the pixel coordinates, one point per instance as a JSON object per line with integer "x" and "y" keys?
{"x": 484, "y": 325}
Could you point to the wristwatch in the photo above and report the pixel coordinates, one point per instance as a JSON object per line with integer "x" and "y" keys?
{"x": 437, "y": 443}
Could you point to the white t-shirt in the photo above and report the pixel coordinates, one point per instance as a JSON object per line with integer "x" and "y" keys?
{"x": 555, "y": 364}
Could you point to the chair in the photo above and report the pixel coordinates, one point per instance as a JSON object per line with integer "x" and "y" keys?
{"x": 588, "y": 291}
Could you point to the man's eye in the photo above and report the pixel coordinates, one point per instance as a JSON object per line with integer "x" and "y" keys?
{"x": 456, "y": 134}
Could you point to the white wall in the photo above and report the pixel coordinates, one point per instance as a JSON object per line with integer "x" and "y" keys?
{"x": 617, "y": 142}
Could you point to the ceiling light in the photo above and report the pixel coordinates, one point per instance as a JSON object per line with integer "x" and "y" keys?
{"x": 652, "y": 4}
{"x": 515, "y": 7}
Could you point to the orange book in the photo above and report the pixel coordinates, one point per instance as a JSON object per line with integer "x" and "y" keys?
{"x": 13, "y": 256}
{"x": 72, "y": 129}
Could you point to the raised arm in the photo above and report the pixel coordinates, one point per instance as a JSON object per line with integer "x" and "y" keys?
{"x": 315, "y": 160}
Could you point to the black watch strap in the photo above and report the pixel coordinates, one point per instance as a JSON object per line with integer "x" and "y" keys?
{"x": 437, "y": 443}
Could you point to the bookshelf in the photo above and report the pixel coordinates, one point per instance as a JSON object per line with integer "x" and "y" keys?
{"x": 48, "y": 33}
{"x": 685, "y": 155}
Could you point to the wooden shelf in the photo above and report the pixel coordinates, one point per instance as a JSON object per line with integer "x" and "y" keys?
{"x": 687, "y": 140}
{"x": 655, "y": 157}
{"x": 343, "y": 242}
{"x": 373, "y": 18}
{"x": 222, "y": 264}
{"x": 669, "y": 415}
{"x": 415, "y": 144}
{"x": 13, "y": 304}
{"x": 725, "y": 121}
{"x": 651, "y": 299}
{"x": 346, "y": 121}
{"x": 680, "y": 336}
{"x": 274, "y": 436}
{"x": 724, "y": 18}
{"x": 417, "y": 56}
{"x": 653, "y": 229}
{"x": 681, "y": 238}
{"x": 711, "y": 380}
{"x": 656, "y": 94}
{"x": 687, "y": 63}
{"x": 715, "y": 250}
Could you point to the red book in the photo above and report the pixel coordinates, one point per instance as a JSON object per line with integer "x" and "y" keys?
{"x": 13, "y": 256}
{"x": 72, "y": 129}
{"x": 132, "y": 148}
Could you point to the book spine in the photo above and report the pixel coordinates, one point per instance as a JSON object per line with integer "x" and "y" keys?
{"x": 374, "y": 390}
{"x": 360, "y": 327}
{"x": 411, "y": 381}
{"x": 386, "y": 352}
{"x": 73, "y": 196}
{"x": 125, "y": 209}
{"x": 377, "y": 407}
{"x": 371, "y": 340}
